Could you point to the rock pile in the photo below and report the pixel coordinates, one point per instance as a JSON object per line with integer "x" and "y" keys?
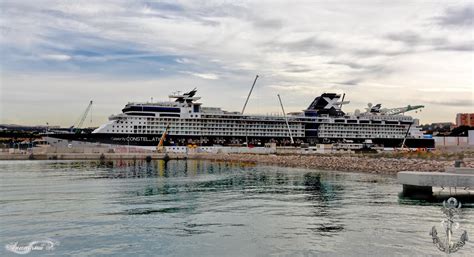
{"x": 362, "y": 163}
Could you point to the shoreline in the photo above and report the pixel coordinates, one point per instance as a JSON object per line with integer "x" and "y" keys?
{"x": 366, "y": 163}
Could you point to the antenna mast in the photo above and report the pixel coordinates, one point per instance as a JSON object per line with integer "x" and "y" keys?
{"x": 246, "y": 101}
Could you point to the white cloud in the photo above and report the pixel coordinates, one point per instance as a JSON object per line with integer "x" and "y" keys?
{"x": 204, "y": 75}
{"x": 185, "y": 61}
{"x": 56, "y": 57}
{"x": 448, "y": 89}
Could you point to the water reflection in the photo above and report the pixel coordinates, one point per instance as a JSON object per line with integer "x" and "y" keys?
{"x": 161, "y": 168}
{"x": 184, "y": 187}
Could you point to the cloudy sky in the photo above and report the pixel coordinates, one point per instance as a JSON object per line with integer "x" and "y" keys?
{"x": 58, "y": 55}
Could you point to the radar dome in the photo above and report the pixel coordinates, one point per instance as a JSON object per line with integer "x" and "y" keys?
{"x": 370, "y": 105}
{"x": 357, "y": 112}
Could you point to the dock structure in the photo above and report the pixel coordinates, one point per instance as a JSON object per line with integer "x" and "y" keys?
{"x": 417, "y": 183}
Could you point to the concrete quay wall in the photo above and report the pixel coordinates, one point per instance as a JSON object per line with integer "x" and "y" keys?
{"x": 91, "y": 156}
{"x": 438, "y": 179}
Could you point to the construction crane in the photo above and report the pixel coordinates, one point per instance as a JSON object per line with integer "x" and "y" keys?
{"x": 159, "y": 147}
{"x": 82, "y": 118}
{"x": 395, "y": 111}
{"x": 243, "y": 110}
{"x": 286, "y": 120}
{"x": 392, "y": 111}
{"x": 251, "y": 89}
{"x": 404, "y": 146}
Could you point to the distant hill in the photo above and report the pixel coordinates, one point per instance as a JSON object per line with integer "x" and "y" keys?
{"x": 23, "y": 127}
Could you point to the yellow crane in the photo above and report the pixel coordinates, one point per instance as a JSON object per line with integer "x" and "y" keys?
{"x": 159, "y": 147}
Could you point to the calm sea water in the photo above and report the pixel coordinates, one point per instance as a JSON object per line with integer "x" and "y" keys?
{"x": 203, "y": 208}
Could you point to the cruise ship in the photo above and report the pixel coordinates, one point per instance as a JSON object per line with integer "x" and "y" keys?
{"x": 188, "y": 122}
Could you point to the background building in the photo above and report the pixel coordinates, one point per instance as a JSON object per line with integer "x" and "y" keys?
{"x": 465, "y": 119}
{"x": 438, "y": 128}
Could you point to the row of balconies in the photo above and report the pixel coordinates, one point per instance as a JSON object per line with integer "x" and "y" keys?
{"x": 223, "y": 127}
{"x": 355, "y": 124}
{"x": 220, "y": 124}
{"x": 358, "y": 136}
{"x": 358, "y": 130}
{"x": 218, "y": 133}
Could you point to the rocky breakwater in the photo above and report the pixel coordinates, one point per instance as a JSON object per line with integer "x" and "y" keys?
{"x": 382, "y": 165}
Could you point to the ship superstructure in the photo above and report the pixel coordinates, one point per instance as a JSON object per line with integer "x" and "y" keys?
{"x": 190, "y": 122}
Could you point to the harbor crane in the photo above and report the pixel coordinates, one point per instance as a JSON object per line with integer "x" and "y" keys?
{"x": 404, "y": 146}
{"x": 395, "y": 111}
{"x": 286, "y": 120}
{"x": 251, "y": 89}
{"x": 160, "y": 147}
{"x": 243, "y": 109}
{"x": 392, "y": 111}
{"x": 82, "y": 118}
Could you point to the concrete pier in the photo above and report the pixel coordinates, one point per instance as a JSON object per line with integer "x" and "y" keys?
{"x": 421, "y": 183}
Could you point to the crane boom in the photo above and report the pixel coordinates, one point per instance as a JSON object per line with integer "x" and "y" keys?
{"x": 81, "y": 119}
{"x": 251, "y": 89}
{"x": 286, "y": 120}
{"x": 405, "y": 138}
{"x": 395, "y": 111}
{"x": 159, "y": 147}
